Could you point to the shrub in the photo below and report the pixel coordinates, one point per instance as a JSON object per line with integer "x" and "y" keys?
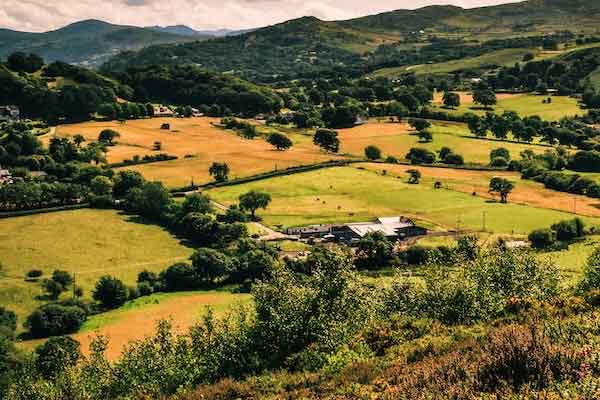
{"x": 180, "y": 276}
{"x": 591, "y": 273}
{"x": 8, "y": 320}
{"x": 454, "y": 159}
{"x": 55, "y": 320}
{"x": 420, "y": 156}
{"x": 110, "y": 292}
{"x": 542, "y": 238}
{"x": 499, "y": 162}
{"x": 569, "y": 230}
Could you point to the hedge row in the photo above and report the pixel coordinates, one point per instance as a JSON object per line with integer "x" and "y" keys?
{"x": 22, "y": 213}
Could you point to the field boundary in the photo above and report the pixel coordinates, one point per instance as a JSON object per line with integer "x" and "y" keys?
{"x": 266, "y": 175}
{"x": 11, "y": 214}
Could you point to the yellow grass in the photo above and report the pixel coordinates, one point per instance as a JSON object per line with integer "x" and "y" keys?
{"x": 202, "y": 142}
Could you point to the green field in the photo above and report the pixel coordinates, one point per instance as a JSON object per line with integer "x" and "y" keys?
{"x": 504, "y": 57}
{"x": 350, "y": 194}
{"x": 88, "y": 243}
{"x": 528, "y": 105}
{"x": 396, "y": 140}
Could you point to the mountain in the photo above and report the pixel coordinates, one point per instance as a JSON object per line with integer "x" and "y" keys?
{"x": 184, "y": 30}
{"x": 89, "y": 42}
{"x": 309, "y": 46}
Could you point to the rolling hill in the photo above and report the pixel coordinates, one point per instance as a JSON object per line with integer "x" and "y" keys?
{"x": 306, "y": 46}
{"x": 89, "y": 42}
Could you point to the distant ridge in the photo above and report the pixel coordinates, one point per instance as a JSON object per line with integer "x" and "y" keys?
{"x": 185, "y": 30}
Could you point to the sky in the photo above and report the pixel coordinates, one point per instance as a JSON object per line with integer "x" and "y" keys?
{"x": 44, "y": 15}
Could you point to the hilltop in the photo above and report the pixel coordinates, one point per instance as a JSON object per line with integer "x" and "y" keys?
{"x": 307, "y": 46}
{"x": 89, "y": 42}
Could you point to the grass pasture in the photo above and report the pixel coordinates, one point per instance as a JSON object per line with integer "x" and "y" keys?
{"x": 397, "y": 139}
{"x": 350, "y": 194}
{"x": 89, "y": 243}
{"x": 524, "y": 104}
{"x": 198, "y": 144}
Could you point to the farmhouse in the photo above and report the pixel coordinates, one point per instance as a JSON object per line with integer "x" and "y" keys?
{"x": 9, "y": 114}
{"x": 163, "y": 111}
{"x": 5, "y": 176}
{"x": 394, "y": 228}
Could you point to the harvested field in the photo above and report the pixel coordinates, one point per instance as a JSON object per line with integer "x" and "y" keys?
{"x": 202, "y": 143}
{"x": 139, "y": 319}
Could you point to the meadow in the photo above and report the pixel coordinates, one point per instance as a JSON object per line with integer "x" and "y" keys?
{"x": 397, "y": 139}
{"x": 87, "y": 243}
{"x": 348, "y": 194}
{"x": 503, "y": 57}
{"x": 197, "y": 143}
{"x": 525, "y": 105}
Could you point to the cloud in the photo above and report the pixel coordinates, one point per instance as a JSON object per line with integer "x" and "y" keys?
{"x": 42, "y": 15}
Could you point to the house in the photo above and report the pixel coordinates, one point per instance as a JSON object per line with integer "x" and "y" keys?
{"x": 163, "y": 111}
{"x": 9, "y": 114}
{"x": 394, "y": 228}
{"x": 5, "y": 177}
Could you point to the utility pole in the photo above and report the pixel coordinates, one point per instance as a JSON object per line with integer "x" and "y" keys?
{"x": 484, "y": 215}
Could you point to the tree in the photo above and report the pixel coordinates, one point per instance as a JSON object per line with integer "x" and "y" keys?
{"x": 419, "y": 124}
{"x": 254, "y": 200}
{"x": 372, "y": 152}
{"x": 8, "y": 321}
{"x": 374, "y": 251}
{"x": 110, "y": 292}
{"x": 279, "y": 141}
{"x": 63, "y": 278}
{"x": 52, "y": 288}
{"x": 477, "y": 126}
{"x": 502, "y": 186}
{"x": 78, "y": 140}
{"x": 124, "y": 181}
{"x": 451, "y": 99}
{"x": 210, "y": 264}
{"x": 485, "y": 97}
{"x": 500, "y": 152}
{"x": 220, "y": 171}
{"x": 101, "y": 185}
{"x": 55, "y": 320}
{"x": 196, "y": 203}
{"x": 151, "y": 200}
{"x": 542, "y": 238}
{"x": 21, "y": 62}
{"x": 414, "y": 176}
{"x": 57, "y": 355}
{"x": 108, "y": 136}
{"x": 425, "y": 136}
{"x": 420, "y": 156}
{"x": 327, "y": 140}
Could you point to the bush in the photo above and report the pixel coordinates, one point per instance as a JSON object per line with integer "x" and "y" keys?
{"x": 499, "y": 162}
{"x": 34, "y": 274}
{"x": 180, "y": 276}
{"x": 145, "y": 289}
{"x": 454, "y": 159}
{"x": 8, "y": 321}
{"x": 420, "y": 156}
{"x": 591, "y": 273}
{"x": 542, "y": 238}
{"x": 55, "y": 320}
{"x": 569, "y": 230}
{"x": 110, "y": 292}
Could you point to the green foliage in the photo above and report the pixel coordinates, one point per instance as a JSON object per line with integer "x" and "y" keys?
{"x": 502, "y": 186}
{"x": 420, "y": 156}
{"x": 254, "y": 200}
{"x": 327, "y": 139}
{"x": 110, "y": 292}
{"x": 209, "y": 265}
{"x": 279, "y": 141}
{"x": 56, "y": 355}
{"x": 372, "y": 152}
{"x": 542, "y": 238}
{"x": 220, "y": 171}
{"x": 374, "y": 251}
{"x": 55, "y": 320}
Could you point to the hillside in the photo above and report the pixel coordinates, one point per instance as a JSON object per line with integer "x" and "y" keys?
{"x": 309, "y": 46}
{"x": 87, "y": 42}
{"x": 184, "y": 30}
